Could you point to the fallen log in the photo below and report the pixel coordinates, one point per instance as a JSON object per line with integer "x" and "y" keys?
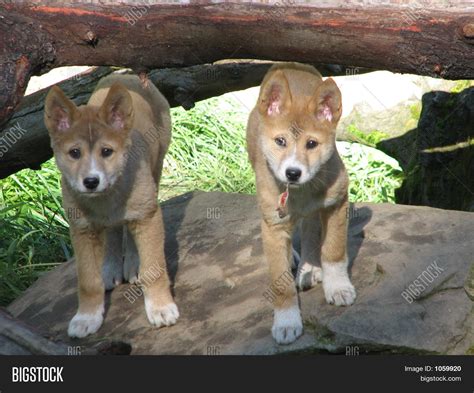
{"x": 16, "y": 338}
{"x": 24, "y": 142}
{"x": 425, "y": 38}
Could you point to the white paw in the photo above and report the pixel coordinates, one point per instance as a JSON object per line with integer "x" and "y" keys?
{"x": 162, "y": 315}
{"x": 337, "y": 286}
{"x": 308, "y": 276}
{"x": 82, "y": 325}
{"x": 287, "y": 325}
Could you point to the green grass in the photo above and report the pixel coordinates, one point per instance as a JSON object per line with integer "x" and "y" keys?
{"x": 33, "y": 230}
{"x": 369, "y": 139}
{"x": 207, "y": 153}
{"x": 373, "y": 175}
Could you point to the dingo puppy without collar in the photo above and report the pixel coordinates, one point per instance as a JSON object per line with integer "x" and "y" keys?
{"x": 110, "y": 153}
{"x": 300, "y": 180}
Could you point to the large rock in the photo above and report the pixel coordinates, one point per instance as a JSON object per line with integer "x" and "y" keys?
{"x": 384, "y": 101}
{"x": 215, "y": 255}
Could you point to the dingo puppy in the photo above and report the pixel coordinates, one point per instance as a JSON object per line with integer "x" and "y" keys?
{"x": 300, "y": 179}
{"x": 110, "y": 153}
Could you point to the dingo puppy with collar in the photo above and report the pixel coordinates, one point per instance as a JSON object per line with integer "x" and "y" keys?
{"x": 301, "y": 180}
{"x": 110, "y": 153}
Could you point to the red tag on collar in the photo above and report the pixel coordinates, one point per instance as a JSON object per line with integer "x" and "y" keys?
{"x": 282, "y": 208}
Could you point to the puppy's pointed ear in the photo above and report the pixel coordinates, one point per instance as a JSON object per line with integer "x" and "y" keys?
{"x": 59, "y": 111}
{"x": 275, "y": 96}
{"x": 117, "y": 108}
{"x": 326, "y": 103}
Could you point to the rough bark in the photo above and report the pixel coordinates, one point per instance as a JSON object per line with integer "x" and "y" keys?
{"x": 43, "y": 35}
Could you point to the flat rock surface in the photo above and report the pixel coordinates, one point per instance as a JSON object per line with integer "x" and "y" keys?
{"x": 215, "y": 258}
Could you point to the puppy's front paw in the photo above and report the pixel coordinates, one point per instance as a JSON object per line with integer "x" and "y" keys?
{"x": 308, "y": 276}
{"x": 166, "y": 315}
{"x": 82, "y": 325}
{"x": 287, "y": 325}
{"x": 341, "y": 293}
{"x": 337, "y": 286}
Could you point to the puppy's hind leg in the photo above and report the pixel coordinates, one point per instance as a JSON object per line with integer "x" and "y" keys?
{"x": 337, "y": 285}
{"x": 112, "y": 270}
{"x": 132, "y": 259}
{"x": 295, "y": 258}
{"x": 309, "y": 269}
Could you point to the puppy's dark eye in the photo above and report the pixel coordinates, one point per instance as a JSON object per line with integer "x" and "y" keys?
{"x": 280, "y": 141}
{"x": 106, "y": 152}
{"x": 75, "y": 153}
{"x": 311, "y": 144}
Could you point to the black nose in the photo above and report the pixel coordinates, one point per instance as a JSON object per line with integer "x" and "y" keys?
{"x": 91, "y": 182}
{"x": 293, "y": 174}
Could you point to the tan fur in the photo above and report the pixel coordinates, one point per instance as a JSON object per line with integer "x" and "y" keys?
{"x": 291, "y": 99}
{"x": 139, "y": 145}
